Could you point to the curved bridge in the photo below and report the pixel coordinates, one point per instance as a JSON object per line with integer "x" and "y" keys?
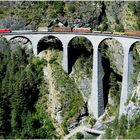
{"x": 97, "y": 100}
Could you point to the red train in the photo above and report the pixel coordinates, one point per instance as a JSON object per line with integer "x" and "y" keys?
{"x": 5, "y": 30}
{"x": 69, "y": 29}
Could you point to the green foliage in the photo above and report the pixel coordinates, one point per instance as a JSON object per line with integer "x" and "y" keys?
{"x": 79, "y": 135}
{"x": 134, "y": 133}
{"x": 134, "y": 127}
{"x": 58, "y": 6}
{"x": 135, "y": 121}
{"x": 115, "y": 89}
{"x": 104, "y": 24}
{"x": 52, "y": 60}
{"x": 119, "y": 28}
{"x": 19, "y": 92}
{"x": 71, "y": 7}
{"x": 123, "y": 125}
{"x": 47, "y": 130}
{"x": 116, "y": 128}
{"x": 135, "y": 7}
{"x": 69, "y": 95}
{"x": 90, "y": 120}
{"x": 123, "y": 129}
{"x": 136, "y": 64}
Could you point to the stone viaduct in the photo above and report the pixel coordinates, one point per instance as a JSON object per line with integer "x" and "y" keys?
{"x": 97, "y": 98}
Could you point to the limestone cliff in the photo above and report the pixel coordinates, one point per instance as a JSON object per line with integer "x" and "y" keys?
{"x": 63, "y": 95}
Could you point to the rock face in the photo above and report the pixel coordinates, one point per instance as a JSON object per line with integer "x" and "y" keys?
{"x": 115, "y": 55}
{"x": 16, "y": 23}
{"x": 85, "y": 87}
{"x": 138, "y": 87}
{"x": 70, "y": 13}
{"x": 118, "y": 13}
{"x": 100, "y": 126}
{"x": 132, "y": 110}
{"x": 114, "y": 12}
{"x": 133, "y": 107}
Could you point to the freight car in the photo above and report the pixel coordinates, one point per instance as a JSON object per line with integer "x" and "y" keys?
{"x": 96, "y": 31}
{"x": 22, "y": 31}
{"x": 61, "y": 29}
{"x": 82, "y": 30}
{"x": 132, "y": 33}
{"x": 107, "y": 32}
{"x": 42, "y": 29}
{"x": 118, "y": 33}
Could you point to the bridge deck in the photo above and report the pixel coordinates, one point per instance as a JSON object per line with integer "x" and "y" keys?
{"x": 73, "y": 33}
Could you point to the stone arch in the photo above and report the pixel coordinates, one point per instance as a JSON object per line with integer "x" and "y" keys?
{"x": 133, "y": 45}
{"x": 74, "y": 51}
{"x": 24, "y": 41}
{"x": 49, "y": 41}
{"x": 80, "y": 63}
{"x": 111, "y": 67}
{"x": 22, "y": 38}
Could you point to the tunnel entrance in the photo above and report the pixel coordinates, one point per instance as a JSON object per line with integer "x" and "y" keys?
{"x": 111, "y": 52}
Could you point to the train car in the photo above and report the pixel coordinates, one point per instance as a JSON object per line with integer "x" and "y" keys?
{"x": 96, "y": 31}
{"x": 132, "y": 33}
{"x": 82, "y": 30}
{"x": 42, "y": 29}
{"x": 22, "y": 31}
{"x": 107, "y": 32}
{"x": 61, "y": 29}
{"x": 118, "y": 33}
{"x": 5, "y": 30}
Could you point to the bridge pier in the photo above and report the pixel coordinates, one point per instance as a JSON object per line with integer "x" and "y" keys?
{"x": 125, "y": 82}
{"x": 97, "y": 98}
{"x": 65, "y": 57}
{"x": 34, "y": 45}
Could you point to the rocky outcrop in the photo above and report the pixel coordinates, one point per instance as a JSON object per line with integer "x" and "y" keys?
{"x": 138, "y": 87}
{"x": 115, "y": 55}
{"x": 119, "y": 14}
{"x": 132, "y": 110}
{"x": 133, "y": 106}
{"x": 114, "y": 12}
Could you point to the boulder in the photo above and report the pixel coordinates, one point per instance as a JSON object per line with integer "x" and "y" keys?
{"x": 100, "y": 125}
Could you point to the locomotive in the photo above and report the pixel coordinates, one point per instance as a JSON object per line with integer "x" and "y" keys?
{"x": 5, "y": 30}
{"x": 69, "y": 29}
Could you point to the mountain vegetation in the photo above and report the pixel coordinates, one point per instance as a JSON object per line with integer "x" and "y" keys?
{"x": 22, "y": 92}
{"x": 38, "y": 99}
{"x": 99, "y": 15}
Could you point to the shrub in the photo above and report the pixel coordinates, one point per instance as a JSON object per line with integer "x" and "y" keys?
{"x": 52, "y": 60}
{"x": 79, "y": 135}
